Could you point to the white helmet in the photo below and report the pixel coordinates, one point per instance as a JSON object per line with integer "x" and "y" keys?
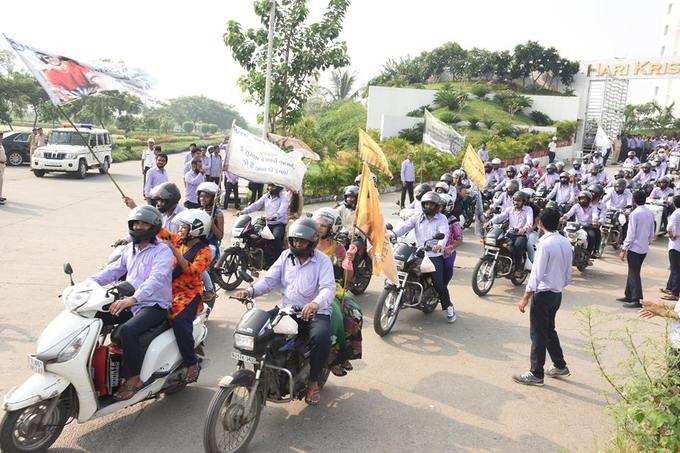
{"x": 327, "y": 215}
{"x": 198, "y": 221}
{"x": 495, "y": 161}
{"x": 208, "y": 187}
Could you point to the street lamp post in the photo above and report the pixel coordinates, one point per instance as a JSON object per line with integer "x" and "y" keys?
{"x": 268, "y": 79}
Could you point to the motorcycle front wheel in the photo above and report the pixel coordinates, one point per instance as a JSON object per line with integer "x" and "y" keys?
{"x": 483, "y": 276}
{"x": 226, "y": 429}
{"x": 226, "y": 270}
{"x": 386, "y": 311}
{"x": 25, "y": 430}
{"x": 362, "y": 276}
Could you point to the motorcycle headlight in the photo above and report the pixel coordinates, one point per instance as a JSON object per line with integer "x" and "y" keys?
{"x": 622, "y": 218}
{"x": 245, "y": 342}
{"x": 66, "y": 349}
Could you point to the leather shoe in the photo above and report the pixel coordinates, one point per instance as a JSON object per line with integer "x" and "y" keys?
{"x": 624, "y": 299}
{"x": 633, "y": 304}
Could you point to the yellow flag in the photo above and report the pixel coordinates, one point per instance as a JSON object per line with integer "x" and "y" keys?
{"x": 369, "y": 220}
{"x": 474, "y": 167}
{"x": 370, "y": 152}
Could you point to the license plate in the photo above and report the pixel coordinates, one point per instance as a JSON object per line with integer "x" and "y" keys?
{"x": 52, "y": 165}
{"x": 37, "y": 366}
{"x": 243, "y": 358}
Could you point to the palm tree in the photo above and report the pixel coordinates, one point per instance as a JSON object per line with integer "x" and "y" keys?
{"x": 342, "y": 83}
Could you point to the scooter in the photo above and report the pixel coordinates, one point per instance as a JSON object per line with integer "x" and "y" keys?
{"x": 76, "y": 372}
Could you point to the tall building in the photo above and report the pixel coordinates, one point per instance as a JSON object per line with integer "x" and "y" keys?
{"x": 667, "y": 91}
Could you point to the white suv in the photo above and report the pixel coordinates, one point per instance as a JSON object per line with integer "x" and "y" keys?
{"x": 66, "y": 151}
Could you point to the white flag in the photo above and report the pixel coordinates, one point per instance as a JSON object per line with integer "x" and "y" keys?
{"x": 601, "y": 139}
{"x": 441, "y": 136}
{"x": 258, "y": 160}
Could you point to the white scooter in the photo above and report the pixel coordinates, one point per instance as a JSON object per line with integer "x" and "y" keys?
{"x": 75, "y": 373}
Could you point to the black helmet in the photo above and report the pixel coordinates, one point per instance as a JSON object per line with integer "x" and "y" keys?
{"x": 350, "y": 191}
{"x": 647, "y": 166}
{"x": 430, "y": 197}
{"x": 146, "y": 214}
{"x": 488, "y": 166}
{"x": 422, "y": 189}
{"x": 619, "y": 174}
{"x": 551, "y": 168}
{"x": 564, "y": 176}
{"x": 522, "y": 196}
{"x": 274, "y": 188}
{"x": 447, "y": 177}
{"x": 596, "y": 190}
{"x": 304, "y": 228}
{"x": 168, "y": 192}
{"x": 585, "y": 194}
{"x": 511, "y": 171}
{"x": 577, "y": 164}
{"x": 620, "y": 185}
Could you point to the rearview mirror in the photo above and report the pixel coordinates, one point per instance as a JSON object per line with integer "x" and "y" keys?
{"x": 389, "y": 226}
{"x": 245, "y": 276}
{"x": 68, "y": 270}
{"x": 439, "y": 236}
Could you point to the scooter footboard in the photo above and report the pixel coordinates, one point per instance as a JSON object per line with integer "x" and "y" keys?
{"x": 38, "y": 387}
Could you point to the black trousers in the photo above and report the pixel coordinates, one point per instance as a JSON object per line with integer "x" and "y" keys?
{"x": 544, "y": 306}
{"x": 230, "y": 187}
{"x": 406, "y": 187}
{"x": 438, "y": 281}
{"x": 673, "y": 284}
{"x": 594, "y": 237}
{"x": 183, "y": 326}
{"x": 256, "y": 189}
{"x": 551, "y": 157}
{"x": 274, "y": 247}
{"x": 634, "y": 282}
{"x": 130, "y": 331}
{"x": 519, "y": 246}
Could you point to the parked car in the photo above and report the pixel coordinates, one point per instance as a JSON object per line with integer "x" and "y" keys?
{"x": 67, "y": 152}
{"x": 16, "y": 147}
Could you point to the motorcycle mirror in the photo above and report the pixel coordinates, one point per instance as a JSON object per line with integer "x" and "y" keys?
{"x": 389, "y": 226}
{"x": 245, "y": 276}
{"x": 68, "y": 270}
{"x": 439, "y": 236}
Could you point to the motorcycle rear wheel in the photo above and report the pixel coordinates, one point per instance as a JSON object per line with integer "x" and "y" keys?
{"x": 362, "y": 276}
{"x": 226, "y": 270}
{"x": 224, "y": 414}
{"x": 478, "y": 277}
{"x": 384, "y": 319}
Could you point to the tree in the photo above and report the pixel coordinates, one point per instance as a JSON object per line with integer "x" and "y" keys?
{"x": 450, "y": 98}
{"x": 150, "y": 122}
{"x": 126, "y": 123}
{"x": 342, "y": 83}
{"x": 300, "y": 52}
{"x": 200, "y": 109}
{"x": 188, "y": 127}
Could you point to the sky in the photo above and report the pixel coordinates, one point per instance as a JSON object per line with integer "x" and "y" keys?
{"x": 180, "y": 43}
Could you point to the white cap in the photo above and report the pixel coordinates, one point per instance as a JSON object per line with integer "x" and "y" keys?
{"x": 151, "y": 140}
{"x": 554, "y": 138}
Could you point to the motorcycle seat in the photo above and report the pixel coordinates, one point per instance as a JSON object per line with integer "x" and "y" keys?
{"x": 145, "y": 338}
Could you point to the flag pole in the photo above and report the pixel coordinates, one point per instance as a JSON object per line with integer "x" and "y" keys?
{"x": 87, "y": 143}
{"x": 222, "y": 170}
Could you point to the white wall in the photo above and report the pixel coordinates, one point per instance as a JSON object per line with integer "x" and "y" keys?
{"x": 394, "y": 102}
{"x": 558, "y": 108}
{"x": 390, "y": 125}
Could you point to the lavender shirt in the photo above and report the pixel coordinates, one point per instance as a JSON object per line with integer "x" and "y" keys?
{"x": 551, "y": 269}
{"x": 615, "y": 200}
{"x": 658, "y": 193}
{"x": 193, "y": 180}
{"x": 215, "y": 166}
{"x": 426, "y": 229}
{"x": 523, "y": 218}
{"x": 148, "y": 270}
{"x": 503, "y": 200}
{"x": 643, "y": 178}
{"x": 408, "y": 172}
{"x": 548, "y": 180}
{"x": 273, "y": 206}
{"x": 312, "y": 281}
{"x": 674, "y": 227}
{"x": 483, "y": 154}
{"x": 640, "y": 230}
{"x": 167, "y": 219}
{"x": 562, "y": 193}
{"x": 583, "y": 216}
{"x": 631, "y": 162}
{"x": 154, "y": 177}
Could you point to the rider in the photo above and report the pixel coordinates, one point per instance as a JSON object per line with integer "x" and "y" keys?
{"x": 450, "y": 179}
{"x": 305, "y": 278}
{"x": 559, "y": 165}
{"x": 327, "y": 222}
{"x": 455, "y": 237}
{"x": 442, "y": 188}
{"x": 597, "y": 158}
{"x": 165, "y": 197}
{"x": 427, "y": 224}
{"x": 619, "y": 198}
{"x": 419, "y": 191}
{"x": 632, "y": 159}
{"x": 275, "y": 205}
{"x": 511, "y": 175}
{"x": 521, "y": 221}
{"x": 563, "y": 192}
{"x": 525, "y": 179}
{"x": 207, "y": 194}
{"x": 587, "y": 164}
{"x": 645, "y": 175}
{"x": 536, "y": 171}
{"x": 349, "y": 203}
{"x": 147, "y": 266}
{"x": 664, "y": 192}
{"x": 497, "y": 170}
{"x": 585, "y": 216}
{"x": 549, "y": 178}
{"x": 504, "y": 200}
{"x": 576, "y": 171}
{"x": 489, "y": 176}
{"x": 193, "y": 257}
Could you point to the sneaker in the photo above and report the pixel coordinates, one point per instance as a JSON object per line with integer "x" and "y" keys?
{"x": 624, "y": 299}
{"x": 558, "y": 372}
{"x": 527, "y": 378}
{"x": 451, "y": 315}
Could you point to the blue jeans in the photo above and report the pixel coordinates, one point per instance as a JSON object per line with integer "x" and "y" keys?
{"x": 448, "y": 268}
{"x": 183, "y": 326}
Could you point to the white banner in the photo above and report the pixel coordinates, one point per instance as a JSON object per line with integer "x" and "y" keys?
{"x": 65, "y": 79}
{"x": 441, "y": 136}
{"x": 601, "y": 139}
{"x": 258, "y": 160}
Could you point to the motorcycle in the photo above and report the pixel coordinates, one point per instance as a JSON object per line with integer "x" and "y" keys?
{"x": 75, "y": 372}
{"x": 579, "y": 241}
{"x": 414, "y": 288}
{"x": 272, "y": 366}
{"x": 497, "y": 261}
{"x": 657, "y": 207}
{"x": 249, "y": 240}
{"x": 674, "y": 162}
{"x": 363, "y": 265}
{"x": 611, "y": 230}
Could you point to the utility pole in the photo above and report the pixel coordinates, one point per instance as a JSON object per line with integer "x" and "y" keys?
{"x": 268, "y": 79}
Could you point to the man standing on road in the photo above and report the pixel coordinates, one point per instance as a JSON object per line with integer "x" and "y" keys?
{"x": 36, "y": 140}
{"x": 640, "y": 234}
{"x": 552, "y": 150}
{"x": 3, "y": 163}
{"x": 156, "y": 175}
{"x": 148, "y": 157}
{"x": 550, "y": 273}
{"x": 408, "y": 177}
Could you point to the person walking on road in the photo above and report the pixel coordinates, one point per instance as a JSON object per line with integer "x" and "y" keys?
{"x": 156, "y": 175}
{"x": 550, "y": 273}
{"x": 3, "y": 164}
{"x": 408, "y": 178}
{"x": 192, "y": 179}
{"x": 640, "y": 234}
{"x": 148, "y": 157}
{"x": 552, "y": 150}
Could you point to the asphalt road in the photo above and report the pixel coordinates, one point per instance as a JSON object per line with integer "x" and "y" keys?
{"x": 429, "y": 386}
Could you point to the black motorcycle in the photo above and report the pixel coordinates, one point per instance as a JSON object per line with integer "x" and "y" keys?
{"x": 497, "y": 261}
{"x": 612, "y": 230}
{"x": 272, "y": 366}
{"x": 414, "y": 288}
{"x": 247, "y": 252}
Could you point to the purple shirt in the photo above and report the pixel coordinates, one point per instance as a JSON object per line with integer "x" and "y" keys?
{"x": 599, "y": 178}
{"x": 562, "y": 193}
{"x": 548, "y": 180}
{"x": 312, "y": 281}
{"x": 643, "y": 178}
{"x": 193, "y": 180}
{"x": 523, "y": 218}
{"x": 583, "y": 216}
{"x": 408, "y": 172}
{"x": 551, "y": 269}
{"x": 503, "y": 200}
{"x": 614, "y": 200}
{"x": 659, "y": 194}
{"x": 273, "y": 206}
{"x": 154, "y": 177}
{"x": 148, "y": 270}
{"x": 631, "y": 162}
{"x": 426, "y": 229}
{"x": 490, "y": 180}
{"x": 674, "y": 227}
{"x": 640, "y": 230}
{"x": 483, "y": 154}
{"x": 215, "y": 166}
{"x": 167, "y": 219}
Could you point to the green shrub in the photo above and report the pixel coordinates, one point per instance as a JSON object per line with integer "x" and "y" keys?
{"x": 413, "y": 134}
{"x": 540, "y": 118}
{"x": 449, "y": 117}
{"x": 188, "y": 127}
{"x": 419, "y": 112}
{"x": 449, "y": 97}
{"x": 480, "y": 90}
{"x": 474, "y": 122}
{"x": 501, "y": 129}
{"x": 565, "y": 130}
{"x": 512, "y": 102}
{"x": 490, "y": 122}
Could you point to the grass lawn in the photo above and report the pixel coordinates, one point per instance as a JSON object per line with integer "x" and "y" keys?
{"x": 467, "y": 87}
{"x": 481, "y": 110}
